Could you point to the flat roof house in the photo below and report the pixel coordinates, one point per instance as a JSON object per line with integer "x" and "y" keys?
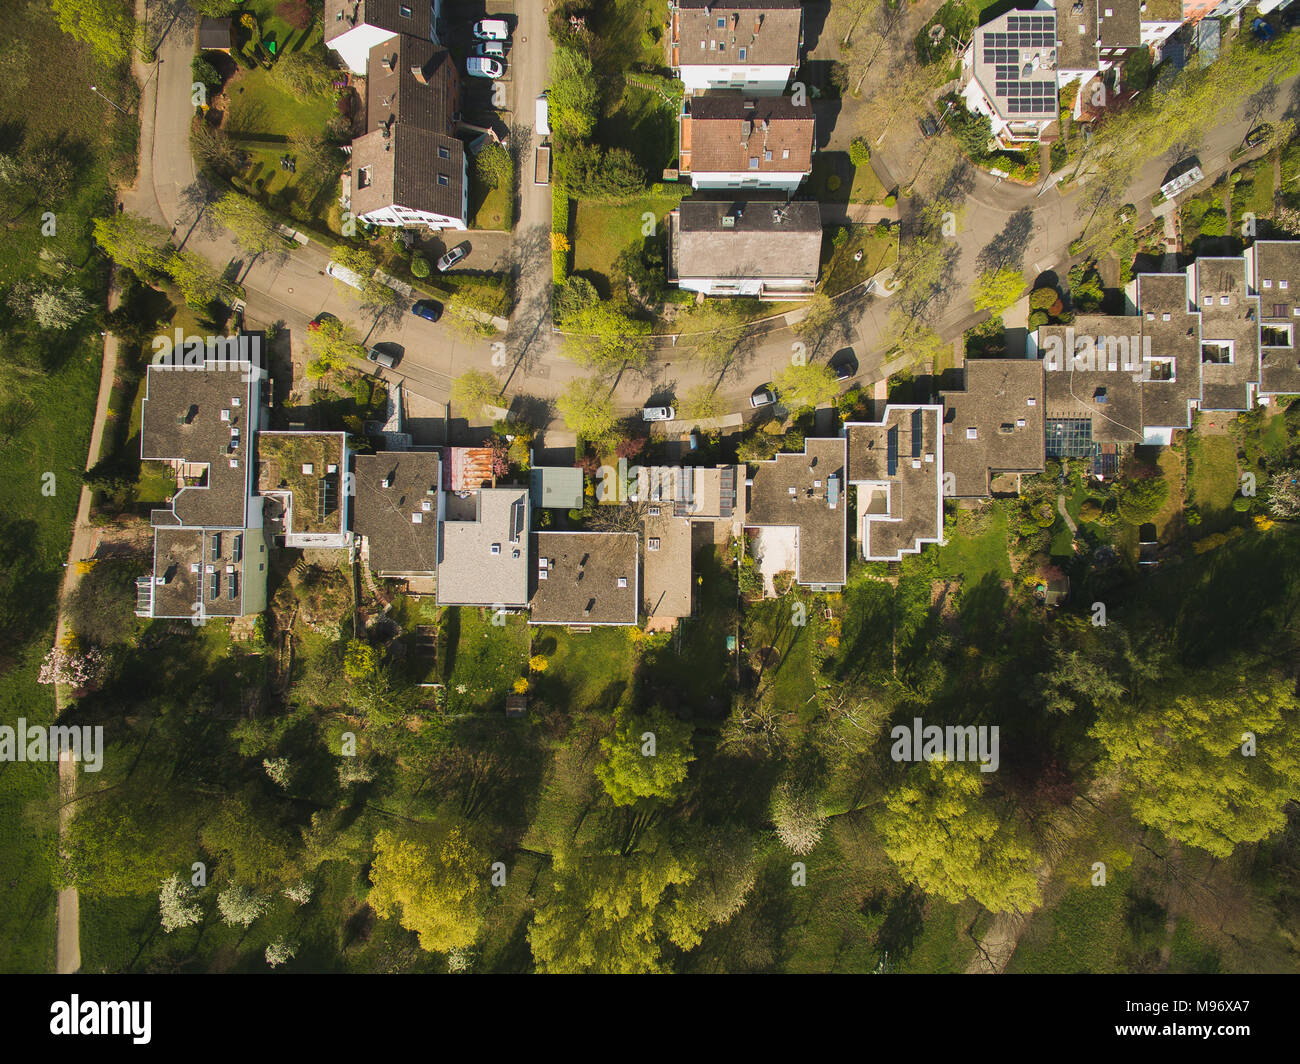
{"x": 1229, "y": 333}
{"x": 733, "y": 140}
{"x": 749, "y": 44}
{"x": 768, "y": 249}
{"x": 678, "y": 500}
{"x": 586, "y": 578}
{"x": 409, "y": 168}
{"x": 796, "y": 503}
{"x": 896, "y": 466}
{"x": 993, "y": 426}
{"x": 302, "y": 478}
{"x": 353, "y": 27}
{"x": 1275, "y": 277}
{"x": 393, "y": 487}
{"x": 209, "y": 546}
{"x": 1009, "y": 74}
{"x": 482, "y": 547}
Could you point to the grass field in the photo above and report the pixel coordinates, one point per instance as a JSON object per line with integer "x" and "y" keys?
{"x": 53, "y": 379}
{"x": 971, "y": 557}
{"x": 587, "y": 670}
{"x": 840, "y": 271}
{"x": 603, "y": 231}
{"x": 1213, "y": 480}
{"x": 484, "y": 659}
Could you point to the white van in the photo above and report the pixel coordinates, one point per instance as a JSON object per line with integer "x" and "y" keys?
{"x": 342, "y": 273}
{"x": 542, "y": 125}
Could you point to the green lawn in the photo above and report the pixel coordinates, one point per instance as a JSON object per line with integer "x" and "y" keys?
{"x": 970, "y": 558}
{"x": 489, "y": 208}
{"x": 857, "y": 184}
{"x": 586, "y": 670}
{"x": 484, "y": 659}
{"x": 1213, "y": 480}
{"x": 840, "y": 271}
{"x": 602, "y": 231}
{"x": 787, "y": 674}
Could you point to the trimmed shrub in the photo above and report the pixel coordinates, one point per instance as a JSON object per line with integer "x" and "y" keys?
{"x": 419, "y": 266}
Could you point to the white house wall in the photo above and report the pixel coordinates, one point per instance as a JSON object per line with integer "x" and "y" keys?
{"x": 785, "y": 180}
{"x": 756, "y": 80}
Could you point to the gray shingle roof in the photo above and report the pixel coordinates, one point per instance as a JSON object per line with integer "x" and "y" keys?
{"x": 584, "y": 571}
{"x": 768, "y": 239}
{"x": 390, "y": 487}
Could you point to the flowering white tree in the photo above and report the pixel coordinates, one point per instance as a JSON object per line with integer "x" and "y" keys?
{"x": 278, "y": 769}
{"x": 77, "y": 668}
{"x": 51, "y": 306}
{"x": 1284, "y": 494}
{"x": 353, "y": 770}
{"x": 280, "y": 951}
{"x": 799, "y": 822}
{"x": 175, "y": 904}
{"x": 300, "y": 893}
{"x": 239, "y": 906}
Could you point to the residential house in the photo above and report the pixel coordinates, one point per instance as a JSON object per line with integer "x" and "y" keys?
{"x": 1274, "y": 275}
{"x": 895, "y": 465}
{"x": 586, "y": 579}
{"x": 354, "y": 27}
{"x": 1229, "y": 316}
{"x": 301, "y": 477}
{"x": 765, "y": 248}
{"x": 210, "y": 551}
{"x": 732, "y": 140}
{"x": 993, "y": 427}
{"x": 685, "y": 508}
{"x": 398, "y": 533}
{"x": 742, "y": 44}
{"x": 482, "y": 546}
{"x": 798, "y": 514}
{"x": 409, "y": 168}
{"x": 1009, "y": 74}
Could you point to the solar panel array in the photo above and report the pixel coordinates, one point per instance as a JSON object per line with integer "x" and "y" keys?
{"x": 1003, "y": 51}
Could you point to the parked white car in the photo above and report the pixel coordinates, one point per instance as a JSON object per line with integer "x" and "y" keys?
{"x": 478, "y": 66}
{"x": 542, "y": 121}
{"x": 491, "y": 49}
{"x": 492, "y": 29}
{"x": 348, "y": 277}
{"x": 658, "y": 413}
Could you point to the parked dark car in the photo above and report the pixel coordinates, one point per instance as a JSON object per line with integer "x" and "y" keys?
{"x": 929, "y": 125}
{"x": 1262, "y": 30}
{"x": 427, "y": 309}
{"x": 1258, "y": 135}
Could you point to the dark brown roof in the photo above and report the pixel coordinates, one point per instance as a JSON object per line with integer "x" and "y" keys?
{"x": 723, "y": 131}
{"x": 414, "y": 82}
{"x": 583, "y": 575}
{"x": 409, "y": 152}
{"x": 823, "y": 532}
{"x": 768, "y": 30}
{"x": 1119, "y": 23}
{"x": 214, "y": 34}
{"x": 343, "y": 15}
{"x": 202, "y": 417}
{"x": 1002, "y": 402}
{"x": 765, "y": 239}
{"x": 390, "y": 487}
{"x": 412, "y": 168}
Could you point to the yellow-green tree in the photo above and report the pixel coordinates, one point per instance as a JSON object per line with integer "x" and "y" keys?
{"x": 995, "y": 290}
{"x": 331, "y": 346}
{"x": 939, "y": 829}
{"x": 806, "y": 386}
{"x": 646, "y": 756}
{"x": 1214, "y": 768}
{"x": 434, "y": 888}
{"x": 615, "y": 914}
{"x": 475, "y": 390}
{"x": 107, "y": 26}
